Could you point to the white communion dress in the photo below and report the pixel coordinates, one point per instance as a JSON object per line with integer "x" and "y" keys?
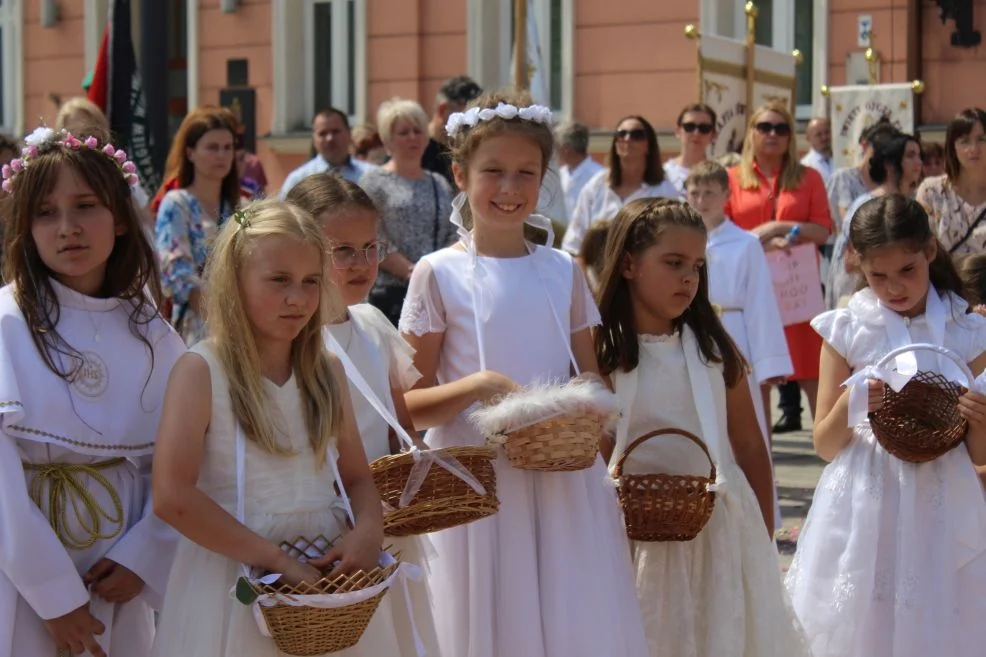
{"x": 892, "y": 558}
{"x": 720, "y": 594}
{"x": 549, "y": 575}
{"x": 285, "y": 497}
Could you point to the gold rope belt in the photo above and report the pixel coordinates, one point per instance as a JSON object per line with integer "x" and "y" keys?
{"x": 67, "y": 492}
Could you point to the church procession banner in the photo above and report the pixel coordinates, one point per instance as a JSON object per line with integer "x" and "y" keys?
{"x": 854, "y": 108}
{"x": 723, "y": 85}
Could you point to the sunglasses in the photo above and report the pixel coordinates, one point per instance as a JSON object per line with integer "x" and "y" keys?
{"x": 779, "y": 129}
{"x": 704, "y": 128}
{"x": 637, "y": 134}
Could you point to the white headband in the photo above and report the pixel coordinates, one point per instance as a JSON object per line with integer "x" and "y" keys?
{"x": 468, "y": 119}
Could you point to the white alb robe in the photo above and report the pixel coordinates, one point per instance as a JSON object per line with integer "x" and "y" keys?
{"x": 740, "y": 282}
{"x": 110, "y": 411}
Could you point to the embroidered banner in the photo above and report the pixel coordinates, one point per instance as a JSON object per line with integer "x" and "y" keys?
{"x": 722, "y": 78}
{"x": 856, "y": 107}
{"x": 797, "y": 283}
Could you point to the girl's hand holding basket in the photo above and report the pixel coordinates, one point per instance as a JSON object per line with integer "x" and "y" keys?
{"x": 489, "y": 385}
{"x": 357, "y": 550}
{"x": 295, "y": 572}
{"x": 875, "y": 389}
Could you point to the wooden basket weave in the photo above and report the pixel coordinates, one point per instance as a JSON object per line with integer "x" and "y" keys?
{"x": 665, "y": 507}
{"x": 443, "y": 500}
{"x": 559, "y": 444}
{"x": 306, "y": 631}
{"x": 921, "y": 422}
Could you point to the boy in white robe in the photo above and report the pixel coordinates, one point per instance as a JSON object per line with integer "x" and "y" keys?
{"x": 740, "y": 284}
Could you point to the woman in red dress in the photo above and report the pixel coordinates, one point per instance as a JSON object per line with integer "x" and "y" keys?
{"x": 771, "y": 193}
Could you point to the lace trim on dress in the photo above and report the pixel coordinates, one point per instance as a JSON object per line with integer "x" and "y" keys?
{"x": 414, "y": 317}
{"x": 651, "y": 338}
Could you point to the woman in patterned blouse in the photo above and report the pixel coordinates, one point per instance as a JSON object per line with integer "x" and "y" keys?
{"x": 188, "y": 218}
{"x": 956, "y": 201}
{"x": 414, "y": 203}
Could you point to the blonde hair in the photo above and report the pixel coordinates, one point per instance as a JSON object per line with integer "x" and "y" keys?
{"x": 79, "y": 115}
{"x": 791, "y": 171}
{"x": 234, "y": 341}
{"x": 399, "y": 108}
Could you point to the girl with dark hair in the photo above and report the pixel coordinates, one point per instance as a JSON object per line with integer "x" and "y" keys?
{"x": 956, "y": 201}
{"x": 661, "y": 341}
{"x": 84, "y": 360}
{"x": 635, "y": 171}
{"x": 894, "y": 166}
{"x": 892, "y": 557}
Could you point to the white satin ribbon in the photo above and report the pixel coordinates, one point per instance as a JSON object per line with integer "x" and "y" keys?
{"x": 859, "y": 400}
{"x": 423, "y": 460}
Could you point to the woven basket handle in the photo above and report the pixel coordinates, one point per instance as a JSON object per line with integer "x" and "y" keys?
{"x": 938, "y": 349}
{"x": 618, "y": 471}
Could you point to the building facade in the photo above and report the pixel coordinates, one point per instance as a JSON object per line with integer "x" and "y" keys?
{"x": 600, "y": 59}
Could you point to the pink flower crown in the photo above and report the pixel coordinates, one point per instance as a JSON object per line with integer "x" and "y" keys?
{"x": 44, "y": 136}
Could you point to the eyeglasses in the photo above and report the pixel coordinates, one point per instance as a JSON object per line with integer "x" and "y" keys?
{"x": 344, "y": 257}
{"x": 637, "y": 134}
{"x": 779, "y": 129}
{"x": 704, "y": 128}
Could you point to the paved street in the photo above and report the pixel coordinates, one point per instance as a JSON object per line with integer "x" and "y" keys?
{"x": 797, "y": 470}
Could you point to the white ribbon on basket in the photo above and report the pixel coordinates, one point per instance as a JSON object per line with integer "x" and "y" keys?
{"x": 423, "y": 459}
{"x": 896, "y": 379}
{"x": 404, "y": 571}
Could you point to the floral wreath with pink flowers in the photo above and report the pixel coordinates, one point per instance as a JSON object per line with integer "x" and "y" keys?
{"x": 44, "y": 136}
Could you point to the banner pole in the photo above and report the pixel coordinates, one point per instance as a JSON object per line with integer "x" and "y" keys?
{"x": 799, "y": 59}
{"x": 520, "y": 43}
{"x": 691, "y": 32}
{"x": 751, "y": 54}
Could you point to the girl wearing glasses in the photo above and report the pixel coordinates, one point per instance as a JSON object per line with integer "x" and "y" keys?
{"x": 781, "y": 201}
{"x": 696, "y": 129}
{"x": 634, "y": 172}
{"x": 349, "y": 218}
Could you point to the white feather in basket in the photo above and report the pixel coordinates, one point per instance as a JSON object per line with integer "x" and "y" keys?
{"x": 543, "y": 401}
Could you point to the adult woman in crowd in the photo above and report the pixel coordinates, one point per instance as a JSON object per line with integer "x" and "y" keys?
{"x": 696, "y": 130}
{"x": 894, "y": 166}
{"x": 771, "y": 194}
{"x": 634, "y": 172}
{"x": 956, "y": 201}
{"x": 206, "y": 192}
{"x": 849, "y": 183}
{"x": 414, "y": 203}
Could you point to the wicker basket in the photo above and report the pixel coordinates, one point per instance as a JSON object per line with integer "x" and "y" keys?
{"x": 560, "y": 444}
{"x": 444, "y": 500}
{"x": 665, "y": 507}
{"x": 921, "y": 422}
{"x": 301, "y": 630}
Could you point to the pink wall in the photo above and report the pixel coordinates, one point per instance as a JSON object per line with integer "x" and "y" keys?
{"x": 632, "y": 57}
{"x": 54, "y": 60}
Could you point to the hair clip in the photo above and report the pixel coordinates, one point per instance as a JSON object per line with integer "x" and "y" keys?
{"x": 240, "y": 217}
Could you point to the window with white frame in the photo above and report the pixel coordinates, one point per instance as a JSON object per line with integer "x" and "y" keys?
{"x": 548, "y": 19}
{"x": 783, "y": 25}
{"x": 8, "y": 67}
{"x": 491, "y": 38}
{"x": 331, "y": 53}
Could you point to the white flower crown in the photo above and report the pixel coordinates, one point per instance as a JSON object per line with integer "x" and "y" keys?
{"x": 468, "y": 119}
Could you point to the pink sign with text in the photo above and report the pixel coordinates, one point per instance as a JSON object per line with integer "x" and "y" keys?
{"x": 797, "y": 284}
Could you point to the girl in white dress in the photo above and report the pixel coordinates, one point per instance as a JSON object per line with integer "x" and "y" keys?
{"x": 892, "y": 558}
{"x": 264, "y": 369}
{"x": 84, "y": 358}
{"x": 385, "y": 361}
{"x": 547, "y": 576}
{"x": 673, "y": 366}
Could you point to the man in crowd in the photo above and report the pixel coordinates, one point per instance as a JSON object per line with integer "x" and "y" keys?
{"x": 819, "y": 136}
{"x": 330, "y": 141}
{"x": 577, "y": 167}
{"x": 453, "y": 97}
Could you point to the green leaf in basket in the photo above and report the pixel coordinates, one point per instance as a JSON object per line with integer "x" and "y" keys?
{"x": 245, "y": 593}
